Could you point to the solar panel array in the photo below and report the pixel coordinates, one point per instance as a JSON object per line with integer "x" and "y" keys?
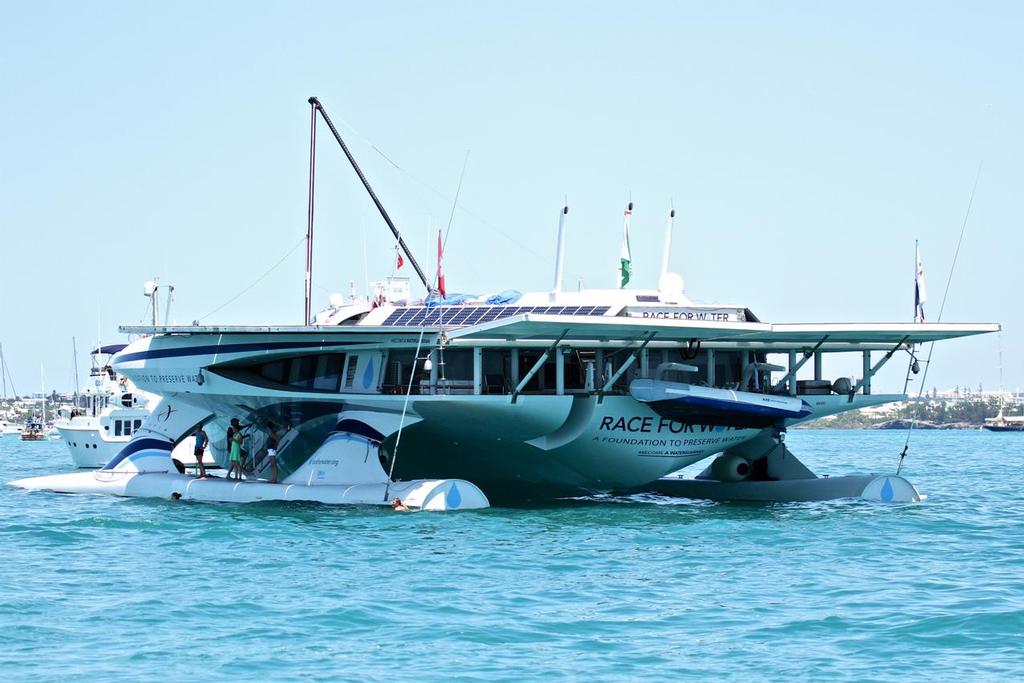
{"x": 461, "y": 316}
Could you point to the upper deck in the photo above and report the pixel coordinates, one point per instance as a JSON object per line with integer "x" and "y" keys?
{"x": 605, "y": 317}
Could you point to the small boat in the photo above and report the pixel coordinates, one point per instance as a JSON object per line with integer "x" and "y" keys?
{"x": 36, "y": 429}
{"x": 33, "y": 431}
{"x": 690, "y": 403}
{"x": 1001, "y": 423}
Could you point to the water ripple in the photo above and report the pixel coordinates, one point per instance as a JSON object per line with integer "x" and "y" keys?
{"x": 603, "y": 588}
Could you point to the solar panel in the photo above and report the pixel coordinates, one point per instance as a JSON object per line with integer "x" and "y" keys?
{"x": 460, "y": 316}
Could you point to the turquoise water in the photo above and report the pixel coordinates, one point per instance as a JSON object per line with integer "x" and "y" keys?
{"x": 99, "y": 588}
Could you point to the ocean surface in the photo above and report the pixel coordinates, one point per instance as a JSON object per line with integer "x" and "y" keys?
{"x": 96, "y": 588}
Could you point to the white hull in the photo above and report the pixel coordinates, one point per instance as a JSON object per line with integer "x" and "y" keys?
{"x": 443, "y": 494}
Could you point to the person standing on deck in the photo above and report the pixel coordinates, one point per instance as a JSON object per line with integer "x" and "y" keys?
{"x": 200, "y": 449}
{"x": 235, "y": 428}
{"x": 235, "y": 455}
{"x": 272, "y": 440}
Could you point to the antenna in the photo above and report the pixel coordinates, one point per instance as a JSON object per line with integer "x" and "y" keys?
{"x": 170, "y": 300}
{"x": 150, "y": 289}
{"x": 667, "y": 248}
{"x": 560, "y": 254}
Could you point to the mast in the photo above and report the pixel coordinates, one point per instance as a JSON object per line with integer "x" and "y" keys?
{"x": 3, "y": 370}
{"x": 42, "y": 391}
{"x": 668, "y": 242}
{"x": 316, "y": 106}
{"x": 74, "y": 359}
{"x": 560, "y": 255}
{"x": 313, "y": 104}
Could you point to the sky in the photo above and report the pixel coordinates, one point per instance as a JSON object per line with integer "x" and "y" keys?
{"x": 804, "y": 145}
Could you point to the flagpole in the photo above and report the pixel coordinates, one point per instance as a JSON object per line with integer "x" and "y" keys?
{"x": 916, "y": 294}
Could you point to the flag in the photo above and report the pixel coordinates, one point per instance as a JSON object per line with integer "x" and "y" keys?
{"x": 920, "y": 295}
{"x": 401, "y": 261}
{"x": 625, "y": 261}
{"x": 440, "y": 270}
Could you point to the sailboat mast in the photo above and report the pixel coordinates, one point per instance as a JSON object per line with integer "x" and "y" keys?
{"x": 3, "y": 370}
{"x": 74, "y": 359}
{"x": 309, "y": 218}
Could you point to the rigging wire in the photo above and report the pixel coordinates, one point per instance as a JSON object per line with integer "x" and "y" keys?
{"x": 455, "y": 203}
{"x": 472, "y": 214}
{"x": 256, "y": 282}
{"x": 405, "y": 407}
{"x": 942, "y": 307}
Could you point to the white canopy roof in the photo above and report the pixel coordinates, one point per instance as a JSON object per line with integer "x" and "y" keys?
{"x": 748, "y": 335}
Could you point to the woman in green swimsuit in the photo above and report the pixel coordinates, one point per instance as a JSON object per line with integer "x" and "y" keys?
{"x": 235, "y": 455}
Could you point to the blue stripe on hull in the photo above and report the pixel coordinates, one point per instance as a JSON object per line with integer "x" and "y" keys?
{"x": 135, "y": 447}
{"x": 737, "y": 407}
{"x": 223, "y": 348}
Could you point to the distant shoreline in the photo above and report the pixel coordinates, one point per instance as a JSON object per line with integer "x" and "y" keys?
{"x": 896, "y": 424}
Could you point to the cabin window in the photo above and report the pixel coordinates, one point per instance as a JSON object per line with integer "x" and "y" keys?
{"x": 397, "y": 370}
{"x": 275, "y": 372}
{"x": 127, "y": 427}
{"x": 458, "y": 364}
{"x": 117, "y": 428}
{"x": 137, "y": 424}
{"x": 543, "y": 381}
{"x": 319, "y": 372}
{"x": 496, "y": 371}
{"x": 302, "y": 372}
{"x": 328, "y": 372}
{"x": 575, "y": 368}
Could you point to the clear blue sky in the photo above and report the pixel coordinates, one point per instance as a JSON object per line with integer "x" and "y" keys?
{"x": 805, "y": 146}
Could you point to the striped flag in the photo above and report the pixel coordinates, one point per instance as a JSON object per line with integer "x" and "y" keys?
{"x": 920, "y": 295}
{"x": 625, "y": 260}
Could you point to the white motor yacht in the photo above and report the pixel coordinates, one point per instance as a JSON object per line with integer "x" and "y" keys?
{"x": 107, "y": 414}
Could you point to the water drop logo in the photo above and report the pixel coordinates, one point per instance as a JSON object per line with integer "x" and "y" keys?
{"x": 886, "y": 493}
{"x": 453, "y": 498}
{"x": 368, "y": 375}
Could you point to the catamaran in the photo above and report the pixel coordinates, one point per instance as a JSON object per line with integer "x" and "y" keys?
{"x": 509, "y": 397}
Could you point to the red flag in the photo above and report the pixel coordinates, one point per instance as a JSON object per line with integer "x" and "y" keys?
{"x": 440, "y": 270}
{"x": 401, "y": 261}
